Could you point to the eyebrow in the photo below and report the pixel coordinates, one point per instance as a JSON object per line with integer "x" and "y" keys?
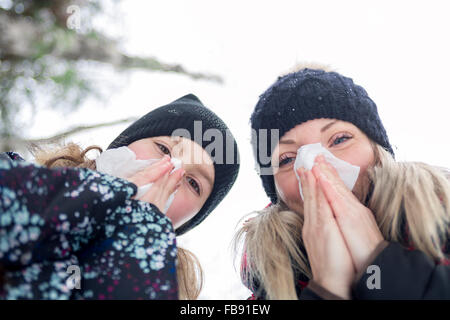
{"x": 287, "y": 141}
{"x": 325, "y": 128}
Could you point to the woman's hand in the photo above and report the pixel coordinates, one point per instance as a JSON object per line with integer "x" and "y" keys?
{"x": 356, "y": 221}
{"x": 164, "y": 183}
{"x": 328, "y": 255}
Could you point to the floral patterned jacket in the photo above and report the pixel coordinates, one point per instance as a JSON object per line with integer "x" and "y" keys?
{"x": 73, "y": 233}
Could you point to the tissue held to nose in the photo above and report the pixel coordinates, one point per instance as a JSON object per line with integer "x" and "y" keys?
{"x": 308, "y": 153}
{"x": 122, "y": 163}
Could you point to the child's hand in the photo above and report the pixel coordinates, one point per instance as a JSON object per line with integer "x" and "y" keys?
{"x": 152, "y": 172}
{"x": 164, "y": 183}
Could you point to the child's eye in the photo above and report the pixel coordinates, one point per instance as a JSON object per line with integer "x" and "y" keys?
{"x": 193, "y": 184}
{"x": 163, "y": 148}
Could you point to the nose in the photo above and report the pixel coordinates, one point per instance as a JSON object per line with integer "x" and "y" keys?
{"x": 177, "y": 163}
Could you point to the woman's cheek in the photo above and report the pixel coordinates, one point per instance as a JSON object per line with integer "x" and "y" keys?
{"x": 364, "y": 158}
{"x": 286, "y": 184}
{"x": 363, "y": 180}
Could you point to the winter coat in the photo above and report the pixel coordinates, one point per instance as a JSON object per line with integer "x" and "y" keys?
{"x": 404, "y": 273}
{"x": 60, "y": 223}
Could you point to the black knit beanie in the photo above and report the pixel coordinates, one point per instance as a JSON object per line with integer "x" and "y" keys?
{"x": 306, "y": 95}
{"x": 181, "y": 114}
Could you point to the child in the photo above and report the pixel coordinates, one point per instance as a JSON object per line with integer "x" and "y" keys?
{"x": 63, "y": 219}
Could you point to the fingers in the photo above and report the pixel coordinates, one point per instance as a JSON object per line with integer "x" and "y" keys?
{"x": 336, "y": 193}
{"x": 152, "y": 172}
{"x": 158, "y": 169}
{"x": 329, "y": 172}
{"x": 329, "y": 191}
{"x": 323, "y": 207}
{"x": 161, "y": 190}
{"x": 316, "y": 207}
{"x": 308, "y": 200}
{"x": 314, "y": 201}
{"x": 174, "y": 181}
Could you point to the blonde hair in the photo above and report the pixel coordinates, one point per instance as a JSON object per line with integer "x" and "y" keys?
{"x": 189, "y": 271}
{"x": 410, "y": 195}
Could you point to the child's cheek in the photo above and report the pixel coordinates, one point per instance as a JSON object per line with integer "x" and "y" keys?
{"x": 144, "y": 150}
{"x": 182, "y": 208}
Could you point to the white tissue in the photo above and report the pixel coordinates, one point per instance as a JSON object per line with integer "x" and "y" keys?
{"x": 308, "y": 153}
{"x": 122, "y": 163}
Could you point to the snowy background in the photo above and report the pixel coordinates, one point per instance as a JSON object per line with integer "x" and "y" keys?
{"x": 398, "y": 50}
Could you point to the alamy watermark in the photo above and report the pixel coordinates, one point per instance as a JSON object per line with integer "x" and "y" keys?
{"x": 220, "y": 145}
{"x": 74, "y": 280}
{"x": 74, "y": 19}
{"x": 374, "y": 281}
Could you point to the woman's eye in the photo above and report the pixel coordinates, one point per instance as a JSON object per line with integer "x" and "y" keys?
{"x": 163, "y": 148}
{"x": 194, "y": 185}
{"x": 340, "y": 139}
{"x": 286, "y": 161}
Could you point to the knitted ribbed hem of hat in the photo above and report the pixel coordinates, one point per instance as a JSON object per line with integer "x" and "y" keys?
{"x": 189, "y": 113}
{"x": 306, "y": 95}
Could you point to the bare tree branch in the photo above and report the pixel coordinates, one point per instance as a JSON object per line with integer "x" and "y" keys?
{"x": 20, "y": 143}
{"x": 77, "y": 129}
{"x": 18, "y": 41}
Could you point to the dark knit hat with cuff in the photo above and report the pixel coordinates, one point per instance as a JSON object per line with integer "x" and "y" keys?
{"x": 306, "y": 95}
{"x": 185, "y": 113}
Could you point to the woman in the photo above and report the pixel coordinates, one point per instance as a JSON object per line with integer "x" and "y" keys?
{"x": 395, "y": 219}
{"x": 55, "y": 219}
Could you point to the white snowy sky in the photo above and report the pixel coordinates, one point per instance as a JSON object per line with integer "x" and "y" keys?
{"x": 397, "y": 50}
